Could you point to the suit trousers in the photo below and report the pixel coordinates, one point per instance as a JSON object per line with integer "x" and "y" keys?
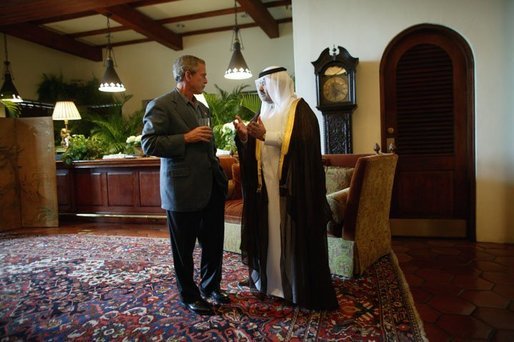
{"x": 208, "y": 226}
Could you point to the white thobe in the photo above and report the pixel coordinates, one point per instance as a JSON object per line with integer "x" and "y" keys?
{"x": 270, "y": 160}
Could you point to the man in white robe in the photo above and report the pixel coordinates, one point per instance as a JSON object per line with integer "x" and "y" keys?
{"x": 285, "y": 210}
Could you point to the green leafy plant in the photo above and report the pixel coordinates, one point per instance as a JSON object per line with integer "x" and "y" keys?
{"x": 224, "y": 107}
{"x": 82, "y": 148}
{"x": 12, "y": 110}
{"x": 113, "y": 130}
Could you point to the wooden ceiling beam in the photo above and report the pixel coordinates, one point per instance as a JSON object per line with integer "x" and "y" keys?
{"x": 22, "y": 11}
{"x": 135, "y": 4}
{"x": 138, "y": 22}
{"x": 261, "y": 15}
{"x": 38, "y": 35}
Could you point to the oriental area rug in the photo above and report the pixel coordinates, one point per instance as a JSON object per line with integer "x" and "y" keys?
{"x": 111, "y": 288}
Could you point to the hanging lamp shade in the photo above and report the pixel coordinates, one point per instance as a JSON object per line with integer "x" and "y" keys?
{"x": 237, "y": 68}
{"x": 8, "y": 92}
{"x": 110, "y": 81}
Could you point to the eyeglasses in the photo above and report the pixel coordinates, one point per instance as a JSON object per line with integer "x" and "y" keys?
{"x": 260, "y": 84}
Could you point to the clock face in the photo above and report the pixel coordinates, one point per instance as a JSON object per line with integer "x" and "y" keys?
{"x": 335, "y": 88}
{"x": 335, "y": 84}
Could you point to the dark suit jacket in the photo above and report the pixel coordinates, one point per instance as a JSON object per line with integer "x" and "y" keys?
{"x": 187, "y": 170}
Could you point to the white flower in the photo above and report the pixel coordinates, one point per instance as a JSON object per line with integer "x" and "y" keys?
{"x": 228, "y": 127}
{"x": 134, "y": 141}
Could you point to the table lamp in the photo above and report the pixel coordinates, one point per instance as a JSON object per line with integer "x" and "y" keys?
{"x": 65, "y": 110}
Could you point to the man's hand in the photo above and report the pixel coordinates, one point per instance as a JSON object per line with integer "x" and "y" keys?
{"x": 257, "y": 129}
{"x": 241, "y": 130}
{"x": 200, "y": 133}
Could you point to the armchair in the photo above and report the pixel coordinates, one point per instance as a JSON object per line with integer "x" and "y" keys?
{"x": 363, "y": 210}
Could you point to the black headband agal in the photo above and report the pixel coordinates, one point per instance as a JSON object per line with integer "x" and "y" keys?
{"x": 271, "y": 71}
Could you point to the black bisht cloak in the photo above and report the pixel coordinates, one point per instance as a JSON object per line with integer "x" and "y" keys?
{"x": 306, "y": 278}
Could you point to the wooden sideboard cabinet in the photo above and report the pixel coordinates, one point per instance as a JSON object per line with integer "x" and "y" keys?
{"x": 110, "y": 187}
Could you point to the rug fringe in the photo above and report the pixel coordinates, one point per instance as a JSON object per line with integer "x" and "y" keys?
{"x": 406, "y": 290}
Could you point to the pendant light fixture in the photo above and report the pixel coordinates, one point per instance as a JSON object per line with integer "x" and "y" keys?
{"x": 237, "y": 68}
{"x": 111, "y": 81}
{"x": 8, "y": 92}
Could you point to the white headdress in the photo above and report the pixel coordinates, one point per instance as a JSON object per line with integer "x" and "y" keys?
{"x": 278, "y": 87}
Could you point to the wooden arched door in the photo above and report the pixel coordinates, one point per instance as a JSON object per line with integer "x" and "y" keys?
{"x": 426, "y": 85}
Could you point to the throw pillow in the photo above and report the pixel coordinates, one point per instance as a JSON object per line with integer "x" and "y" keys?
{"x": 337, "y": 178}
{"x": 337, "y": 202}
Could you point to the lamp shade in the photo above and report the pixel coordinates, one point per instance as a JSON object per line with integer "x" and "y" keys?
{"x": 65, "y": 110}
{"x": 237, "y": 68}
{"x": 111, "y": 81}
{"x": 8, "y": 92}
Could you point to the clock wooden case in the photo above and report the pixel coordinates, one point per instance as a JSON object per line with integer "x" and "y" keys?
{"x": 336, "y": 92}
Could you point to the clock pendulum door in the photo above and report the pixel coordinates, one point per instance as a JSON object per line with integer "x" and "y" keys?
{"x": 338, "y": 131}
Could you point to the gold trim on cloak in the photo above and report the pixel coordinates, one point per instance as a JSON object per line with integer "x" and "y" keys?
{"x": 285, "y": 145}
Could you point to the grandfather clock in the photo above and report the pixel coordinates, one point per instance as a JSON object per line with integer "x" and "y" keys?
{"x": 335, "y": 88}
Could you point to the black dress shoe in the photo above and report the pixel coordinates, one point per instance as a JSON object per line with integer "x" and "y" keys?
{"x": 258, "y": 294}
{"x": 244, "y": 283}
{"x": 200, "y": 306}
{"x": 218, "y": 296}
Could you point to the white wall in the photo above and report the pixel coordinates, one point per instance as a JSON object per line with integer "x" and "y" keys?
{"x": 365, "y": 28}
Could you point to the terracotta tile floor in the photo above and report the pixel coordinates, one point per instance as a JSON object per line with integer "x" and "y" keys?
{"x": 463, "y": 291}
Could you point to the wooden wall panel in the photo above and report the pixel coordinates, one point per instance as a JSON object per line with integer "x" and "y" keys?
{"x": 65, "y": 190}
{"x": 121, "y": 188}
{"x": 149, "y": 188}
{"x": 90, "y": 189}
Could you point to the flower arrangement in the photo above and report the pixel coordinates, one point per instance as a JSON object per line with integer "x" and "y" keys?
{"x": 134, "y": 140}
{"x": 133, "y": 145}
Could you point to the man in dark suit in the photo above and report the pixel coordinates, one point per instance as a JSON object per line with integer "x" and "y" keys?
{"x": 192, "y": 183}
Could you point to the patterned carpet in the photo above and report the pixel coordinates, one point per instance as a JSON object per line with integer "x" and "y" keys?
{"x": 100, "y": 288}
